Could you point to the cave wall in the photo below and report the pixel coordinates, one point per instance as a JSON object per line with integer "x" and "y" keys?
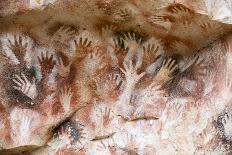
{"x": 115, "y": 77}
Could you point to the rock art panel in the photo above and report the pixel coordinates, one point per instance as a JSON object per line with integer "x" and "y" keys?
{"x": 115, "y": 77}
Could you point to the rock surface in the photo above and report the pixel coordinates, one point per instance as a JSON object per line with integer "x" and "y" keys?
{"x": 115, "y": 77}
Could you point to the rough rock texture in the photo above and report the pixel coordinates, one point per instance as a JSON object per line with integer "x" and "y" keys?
{"x": 115, "y": 77}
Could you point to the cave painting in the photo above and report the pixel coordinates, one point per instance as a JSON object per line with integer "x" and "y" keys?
{"x": 112, "y": 77}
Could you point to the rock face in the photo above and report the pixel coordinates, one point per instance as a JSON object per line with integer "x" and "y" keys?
{"x": 115, "y": 77}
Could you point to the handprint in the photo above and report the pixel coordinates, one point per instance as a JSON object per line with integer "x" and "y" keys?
{"x": 209, "y": 28}
{"x": 209, "y": 25}
{"x": 24, "y": 129}
{"x": 63, "y": 70}
{"x": 125, "y": 15}
{"x": 63, "y": 34}
{"x": 131, "y": 146}
{"x": 25, "y": 86}
{"x": 175, "y": 110}
{"x": 147, "y": 101}
{"x": 150, "y": 51}
{"x": 108, "y": 31}
{"x": 47, "y": 64}
{"x": 70, "y": 132}
{"x": 106, "y": 6}
{"x": 130, "y": 73}
{"x": 111, "y": 148}
{"x": 180, "y": 11}
{"x": 117, "y": 46}
{"x": 170, "y": 118}
{"x": 94, "y": 62}
{"x": 178, "y": 8}
{"x": 166, "y": 70}
{"x": 65, "y": 136}
{"x": 131, "y": 41}
{"x": 179, "y": 47}
{"x": 196, "y": 66}
{"x": 227, "y": 124}
{"x": 172, "y": 114}
{"x": 77, "y": 133}
{"x": 81, "y": 46}
{"x": 18, "y": 48}
{"x": 108, "y": 86}
{"x": 65, "y": 98}
{"x": 164, "y": 21}
{"x": 97, "y": 58}
{"x": 107, "y": 118}
{"x": 102, "y": 124}
{"x": 153, "y": 91}
{"x": 161, "y": 18}
{"x": 116, "y": 78}
{"x": 132, "y": 78}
